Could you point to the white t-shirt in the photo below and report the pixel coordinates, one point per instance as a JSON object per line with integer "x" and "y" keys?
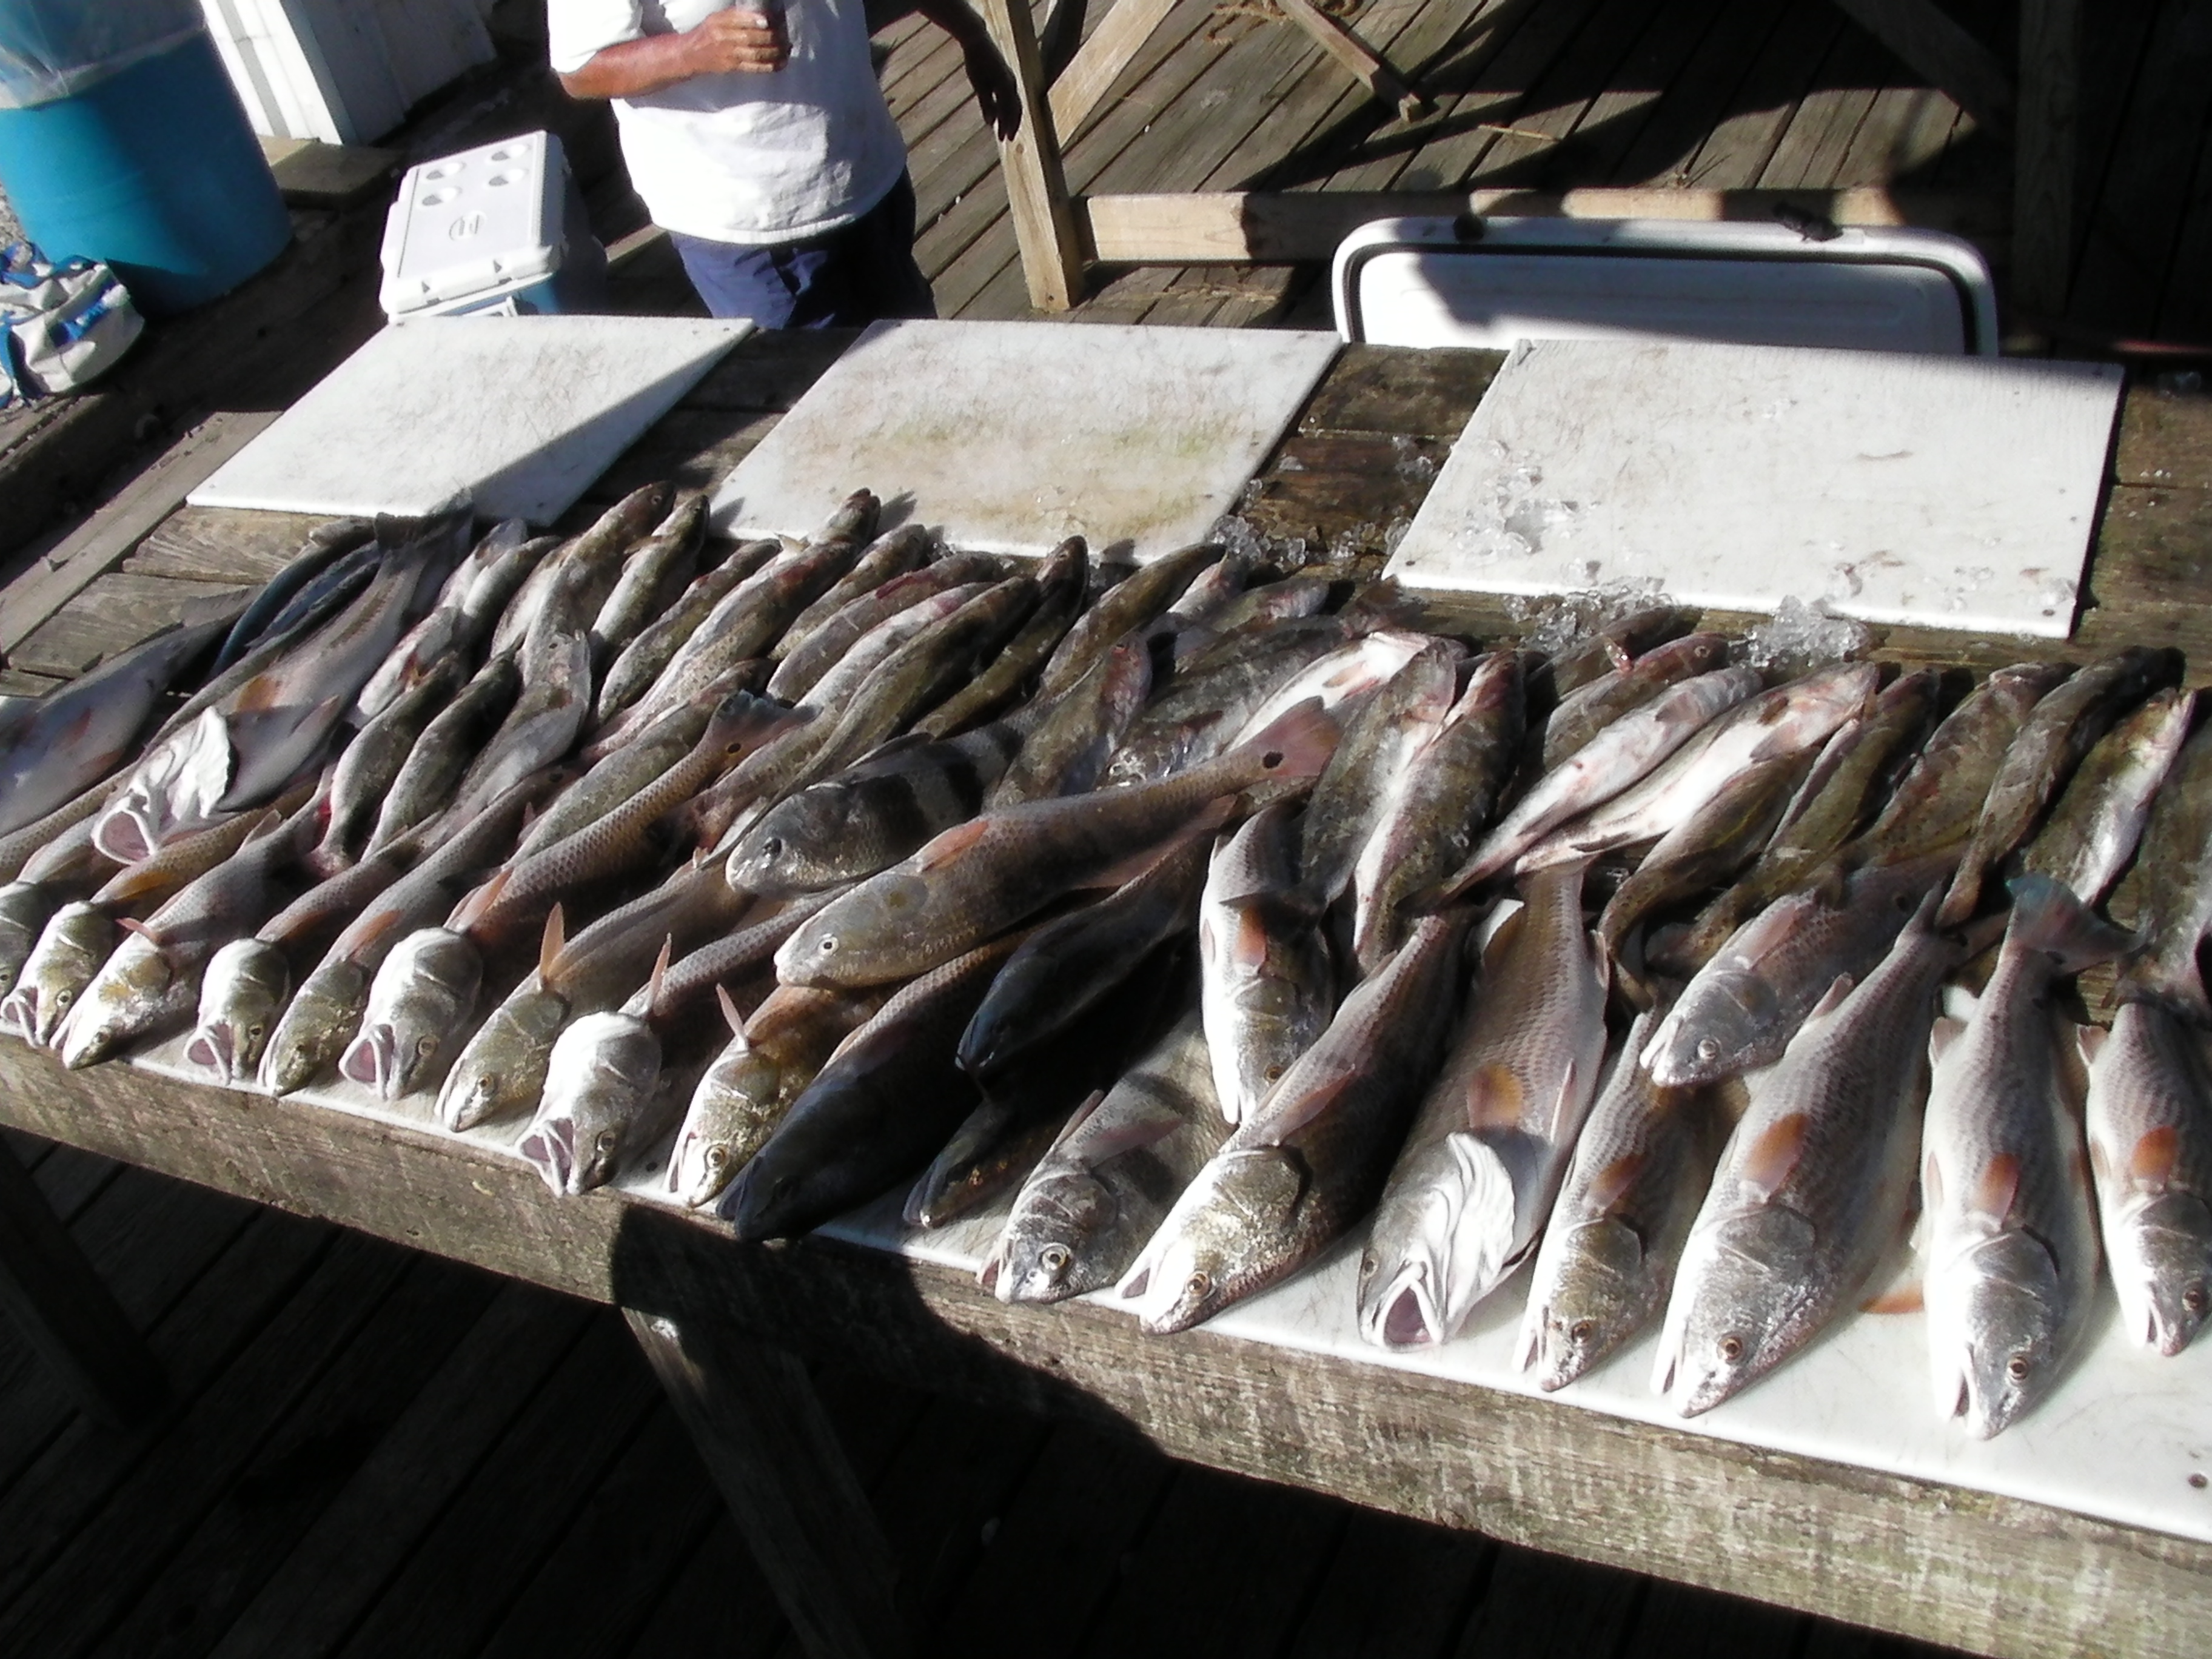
{"x": 742, "y": 157}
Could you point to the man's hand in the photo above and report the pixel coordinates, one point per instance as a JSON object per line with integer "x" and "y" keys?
{"x": 732, "y": 42}
{"x": 995, "y": 94}
{"x": 738, "y": 42}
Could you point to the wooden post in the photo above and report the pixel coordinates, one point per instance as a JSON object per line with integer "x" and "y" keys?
{"x": 773, "y": 1453}
{"x": 2042, "y": 154}
{"x": 1037, "y": 187}
{"x": 1359, "y": 60}
{"x": 65, "y": 1312}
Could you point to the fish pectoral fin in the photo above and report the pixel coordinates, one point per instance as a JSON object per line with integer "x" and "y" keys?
{"x": 1611, "y": 1183}
{"x": 1502, "y": 939}
{"x": 1832, "y": 999}
{"x": 1993, "y": 1194}
{"x": 550, "y": 943}
{"x": 1494, "y": 1098}
{"x": 1268, "y": 1183}
{"x": 2154, "y": 1157}
{"x": 1941, "y": 1036}
{"x": 1767, "y": 1162}
{"x": 1897, "y": 1299}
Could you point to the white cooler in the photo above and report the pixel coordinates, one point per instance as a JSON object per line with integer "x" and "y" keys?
{"x": 1473, "y": 282}
{"x": 497, "y": 231}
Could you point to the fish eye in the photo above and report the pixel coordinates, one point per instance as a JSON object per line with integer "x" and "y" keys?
{"x": 1199, "y": 1283}
{"x": 423, "y": 1045}
{"x": 2195, "y": 1299}
{"x": 1367, "y": 1265}
{"x": 253, "y": 1032}
{"x": 829, "y": 944}
{"x": 1055, "y": 1257}
{"x": 1272, "y": 1073}
{"x": 1272, "y": 759}
{"x": 1582, "y": 1330}
{"x": 2020, "y": 1367}
{"x": 717, "y": 1156}
{"x": 63, "y": 998}
{"x": 605, "y": 1143}
{"x": 1709, "y": 1049}
{"x": 1731, "y": 1348}
{"x": 772, "y": 848}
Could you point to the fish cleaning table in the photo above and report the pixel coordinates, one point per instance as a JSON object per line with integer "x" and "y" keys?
{"x": 1794, "y": 1523}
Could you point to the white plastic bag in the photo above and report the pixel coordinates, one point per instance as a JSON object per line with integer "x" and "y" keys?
{"x": 59, "y": 325}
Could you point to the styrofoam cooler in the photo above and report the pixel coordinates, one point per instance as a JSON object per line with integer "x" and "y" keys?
{"x": 500, "y": 229}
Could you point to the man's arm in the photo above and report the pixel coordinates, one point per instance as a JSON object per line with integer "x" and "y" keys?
{"x": 993, "y": 82}
{"x": 743, "y": 42}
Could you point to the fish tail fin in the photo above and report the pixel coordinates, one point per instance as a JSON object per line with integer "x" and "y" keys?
{"x": 2046, "y": 916}
{"x": 1296, "y": 744}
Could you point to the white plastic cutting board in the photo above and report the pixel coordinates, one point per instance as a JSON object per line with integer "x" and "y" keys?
{"x": 1012, "y": 436}
{"x": 2121, "y": 1438}
{"x": 1950, "y": 492}
{"x": 519, "y": 413}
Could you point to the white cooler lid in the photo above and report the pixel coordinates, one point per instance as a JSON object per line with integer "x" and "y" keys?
{"x": 468, "y": 224}
{"x": 1473, "y": 282}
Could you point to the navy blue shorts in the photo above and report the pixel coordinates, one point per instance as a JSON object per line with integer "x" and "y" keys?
{"x": 855, "y": 274}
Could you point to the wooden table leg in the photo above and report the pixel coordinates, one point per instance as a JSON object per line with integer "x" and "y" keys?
{"x": 1037, "y": 187}
{"x": 65, "y": 1312}
{"x": 772, "y": 1451}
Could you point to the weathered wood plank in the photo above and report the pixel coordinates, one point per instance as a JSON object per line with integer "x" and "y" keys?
{"x": 105, "y": 539}
{"x": 302, "y": 1461}
{"x": 760, "y": 1428}
{"x": 1928, "y": 42}
{"x": 2166, "y": 438}
{"x": 1736, "y": 154}
{"x": 769, "y": 371}
{"x": 20, "y": 682}
{"x": 443, "y": 1603}
{"x": 116, "y": 611}
{"x": 1703, "y": 84}
{"x": 2154, "y": 548}
{"x": 694, "y": 448}
{"x": 1099, "y": 61}
{"x": 1420, "y": 394}
{"x": 1827, "y": 118}
{"x": 1356, "y": 58}
{"x": 1036, "y": 183}
{"x": 2043, "y": 153}
{"x": 222, "y": 544}
{"x": 58, "y": 1303}
{"x": 340, "y": 1563}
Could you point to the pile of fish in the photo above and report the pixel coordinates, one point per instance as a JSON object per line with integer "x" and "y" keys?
{"x": 1200, "y": 915}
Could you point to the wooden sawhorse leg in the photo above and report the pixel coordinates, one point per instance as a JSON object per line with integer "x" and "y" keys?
{"x": 65, "y": 1312}
{"x": 771, "y": 1449}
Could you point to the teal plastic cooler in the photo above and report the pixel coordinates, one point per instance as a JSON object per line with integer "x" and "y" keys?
{"x": 121, "y": 140}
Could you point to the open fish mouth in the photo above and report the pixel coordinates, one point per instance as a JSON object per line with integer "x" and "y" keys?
{"x": 213, "y": 1049}
{"x": 372, "y": 1059}
{"x": 19, "y": 1012}
{"x": 551, "y": 1149}
{"x": 1404, "y": 1314}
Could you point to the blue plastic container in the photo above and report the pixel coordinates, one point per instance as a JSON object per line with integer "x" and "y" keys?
{"x": 152, "y": 168}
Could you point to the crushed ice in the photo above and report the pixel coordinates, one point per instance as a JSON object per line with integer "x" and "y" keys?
{"x": 1802, "y": 637}
{"x": 1555, "y": 622}
{"x": 1245, "y": 539}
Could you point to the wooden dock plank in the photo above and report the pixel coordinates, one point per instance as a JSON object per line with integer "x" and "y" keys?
{"x": 2134, "y": 227}
{"x": 99, "y": 1531}
{"x": 1818, "y": 136}
{"x": 1263, "y": 1558}
{"x": 1393, "y": 1589}
{"x": 329, "y": 1580}
{"x": 1060, "y": 1547}
{"x": 301, "y": 1457}
{"x": 149, "y": 1239}
{"x": 114, "y": 613}
{"x": 1701, "y": 90}
{"x": 1736, "y": 154}
{"x": 1612, "y": 121}
{"x": 468, "y": 1570}
{"x": 223, "y": 544}
{"x": 1536, "y": 1606}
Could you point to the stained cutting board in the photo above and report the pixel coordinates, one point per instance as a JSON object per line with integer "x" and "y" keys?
{"x": 1950, "y": 492}
{"x": 519, "y": 413}
{"x": 1011, "y": 436}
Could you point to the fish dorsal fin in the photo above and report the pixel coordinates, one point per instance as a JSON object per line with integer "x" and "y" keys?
{"x": 2153, "y": 1161}
{"x": 1494, "y": 1097}
{"x": 1897, "y": 1299}
{"x": 731, "y": 1016}
{"x": 550, "y": 943}
{"x": 1832, "y": 998}
{"x": 660, "y": 971}
{"x": 1211, "y": 818}
{"x": 1077, "y": 1119}
{"x": 1771, "y": 1157}
{"x": 131, "y": 925}
{"x": 480, "y": 903}
{"x": 1610, "y": 1184}
{"x": 373, "y": 926}
{"x": 951, "y": 844}
{"x": 1942, "y": 1035}
{"x": 1994, "y": 1193}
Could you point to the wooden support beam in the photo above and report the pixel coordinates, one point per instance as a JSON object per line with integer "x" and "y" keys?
{"x": 770, "y": 1448}
{"x": 1240, "y": 227}
{"x": 1037, "y": 187}
{"x": 107, "y": 537}
{"x": 1335, "y": 38}
{"x": 57, "y": 1301}
{"x": 2043, "y": 157}
{"x": 1099, "y": 61}
{"x": 1922, "y": 34}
